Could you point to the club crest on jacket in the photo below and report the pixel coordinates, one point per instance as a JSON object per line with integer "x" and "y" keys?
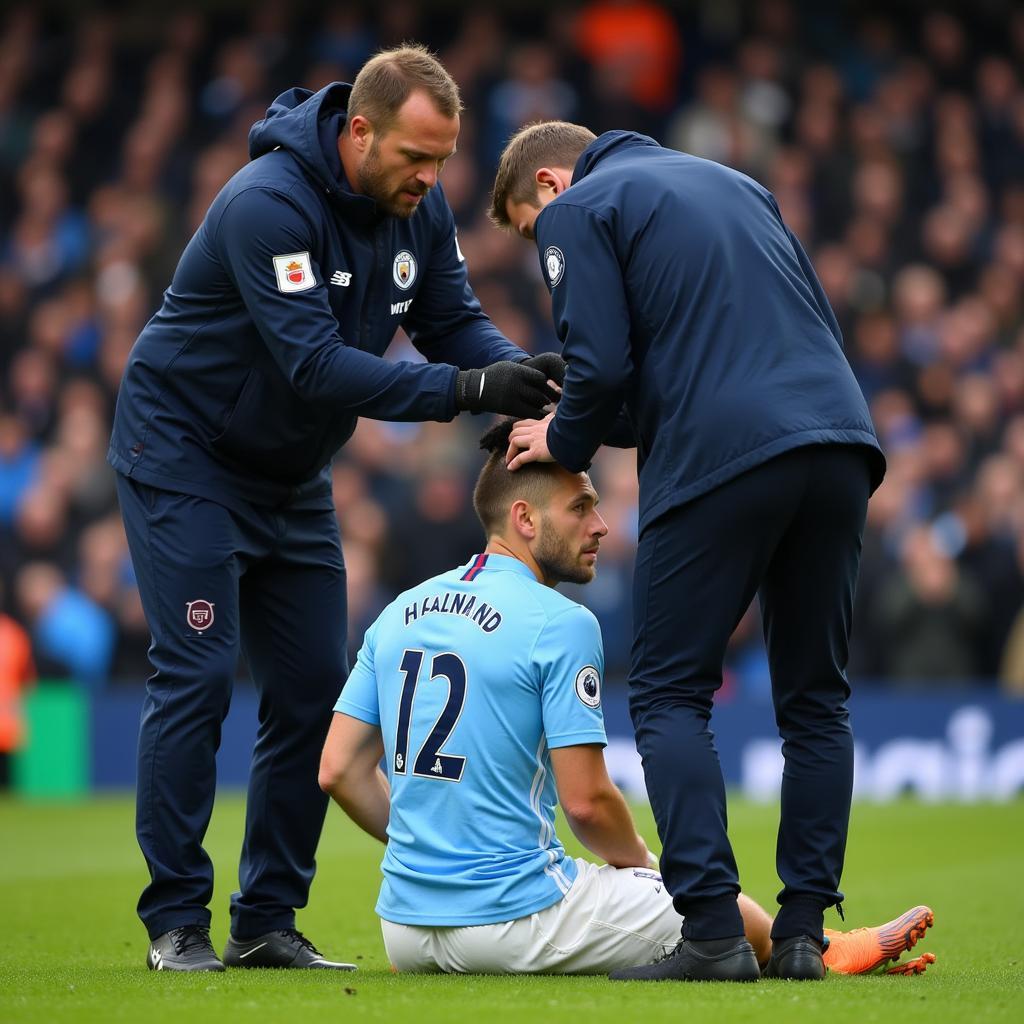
{"x": 404, "y": 270}
{"x": 554, "y": 264}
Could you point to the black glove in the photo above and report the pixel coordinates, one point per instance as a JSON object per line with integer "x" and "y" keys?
{"x": 512, "y": 389}
{"x": 551, "y": 364}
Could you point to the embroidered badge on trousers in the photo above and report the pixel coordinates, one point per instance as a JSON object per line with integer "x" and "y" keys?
{"x": 199, "y": 615}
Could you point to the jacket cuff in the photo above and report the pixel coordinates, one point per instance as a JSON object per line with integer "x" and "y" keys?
{"x": 452, "y": 408}
{"x": 561, "y": 451}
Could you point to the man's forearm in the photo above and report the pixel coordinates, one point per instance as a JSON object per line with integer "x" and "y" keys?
{"x": 605, "y": 827}
{"x": 367, "y": 801}
{"x": 470, "y": 344}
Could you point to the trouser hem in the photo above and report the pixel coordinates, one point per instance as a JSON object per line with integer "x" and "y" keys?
{"x": 157, "y": 926}
{"x": 800, "y": 916}
{"x": 245, "y": 928}
{"x": 717, "y": 918}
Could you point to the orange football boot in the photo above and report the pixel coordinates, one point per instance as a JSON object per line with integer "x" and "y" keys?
{"x": 863, "y": 949}
{"x": 916, "y": 966}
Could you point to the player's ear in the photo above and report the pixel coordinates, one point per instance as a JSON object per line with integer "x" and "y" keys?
{"x": 523, "y": 518}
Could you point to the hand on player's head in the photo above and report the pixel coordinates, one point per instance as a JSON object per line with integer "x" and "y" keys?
{"x": 528, "y": 442}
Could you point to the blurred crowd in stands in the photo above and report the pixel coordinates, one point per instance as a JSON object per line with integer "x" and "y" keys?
{"x": 892, "y": 137}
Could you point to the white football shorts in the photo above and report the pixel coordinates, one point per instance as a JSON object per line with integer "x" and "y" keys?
{"x": 611, "y": 917}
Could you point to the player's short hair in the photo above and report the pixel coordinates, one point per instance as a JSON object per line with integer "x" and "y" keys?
{"x": 542, "y": 144}
{"x": 387, "y": 80}
{"x": 496, "y": 488}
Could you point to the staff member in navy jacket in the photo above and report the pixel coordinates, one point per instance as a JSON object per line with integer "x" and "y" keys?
{"x": 238, "y": 392}
{"x": 691, "y": 318}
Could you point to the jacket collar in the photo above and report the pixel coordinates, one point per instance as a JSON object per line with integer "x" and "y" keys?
{"x": 605, "y": 145}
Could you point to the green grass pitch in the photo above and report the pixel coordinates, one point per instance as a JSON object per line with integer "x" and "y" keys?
{"x": 71, "y": 948}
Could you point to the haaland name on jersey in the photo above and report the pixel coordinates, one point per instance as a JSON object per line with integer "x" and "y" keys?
{"x": 473, "y": 677}
{"x": 486, "y": 617}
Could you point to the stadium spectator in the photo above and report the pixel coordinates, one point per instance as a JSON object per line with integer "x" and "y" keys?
{"x": 635, "y": 51}
{"x": 928, "y": 616}
{"x": 531, "y": 92}
{"x": 19, "y": 466}
{"x": 71, "y": 634}
{"x": 721, "y": 126}
{"x": 17, "y": 674}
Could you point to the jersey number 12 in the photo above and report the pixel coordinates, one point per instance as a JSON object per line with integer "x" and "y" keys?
{"x": 430, "y": 763}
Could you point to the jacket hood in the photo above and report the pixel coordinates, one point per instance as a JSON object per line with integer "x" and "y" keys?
{"x": 307, "y": 124}
{"x": 604, "y": 145}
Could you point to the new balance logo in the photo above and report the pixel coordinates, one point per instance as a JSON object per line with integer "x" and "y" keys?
{"x": 400, "y": 307}
{"x": 342, "y": 278}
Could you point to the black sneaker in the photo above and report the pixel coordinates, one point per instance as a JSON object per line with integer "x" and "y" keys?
{"x": 687, "y": 963}
{"x": 284, "y": 948}
{"x": 797, "y": 959}
{"x": 183, "y": 949}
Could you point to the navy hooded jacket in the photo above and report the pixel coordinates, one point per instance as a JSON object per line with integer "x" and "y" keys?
{"x": 268, "y": 344}
{"x": 678, "y": 291}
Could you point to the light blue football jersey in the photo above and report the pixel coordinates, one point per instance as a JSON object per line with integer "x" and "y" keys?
{"x": 473, "y": 677}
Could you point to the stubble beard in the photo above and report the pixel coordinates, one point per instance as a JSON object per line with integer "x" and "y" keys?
{"x": 557, "y": 559}
{"x": 373, "y": 183}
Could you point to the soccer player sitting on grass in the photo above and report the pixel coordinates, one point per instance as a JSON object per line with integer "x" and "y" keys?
{"x": 481, "y": 690}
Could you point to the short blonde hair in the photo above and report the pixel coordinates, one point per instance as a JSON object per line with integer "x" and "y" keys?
{"x": 387, "y": 80}
{"x": 542, "y": 144}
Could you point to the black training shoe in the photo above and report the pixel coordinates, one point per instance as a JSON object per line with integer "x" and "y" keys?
{"x": 797, "y": 959}
{"x": 183, "y": 949}
{"x": 687, "y": 963}
{"x": 284, "y": 948}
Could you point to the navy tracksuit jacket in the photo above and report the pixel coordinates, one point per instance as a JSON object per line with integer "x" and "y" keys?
{"x": 682, "y": 299}
{"x": 244, "y": 384}
{"x": 265, "y": 350}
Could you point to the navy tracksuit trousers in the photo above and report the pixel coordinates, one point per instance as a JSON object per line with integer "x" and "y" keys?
{"x": 211, "y": 579}
{"x": 790, "y": 531}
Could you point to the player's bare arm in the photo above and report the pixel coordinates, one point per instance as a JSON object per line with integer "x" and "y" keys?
{"x": 595, "y": 809}
{"x": 350, "y": 773}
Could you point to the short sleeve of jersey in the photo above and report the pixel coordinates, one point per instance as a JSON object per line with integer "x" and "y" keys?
{"x": 569, "y": 657}
{"x": 359, "y": 696}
